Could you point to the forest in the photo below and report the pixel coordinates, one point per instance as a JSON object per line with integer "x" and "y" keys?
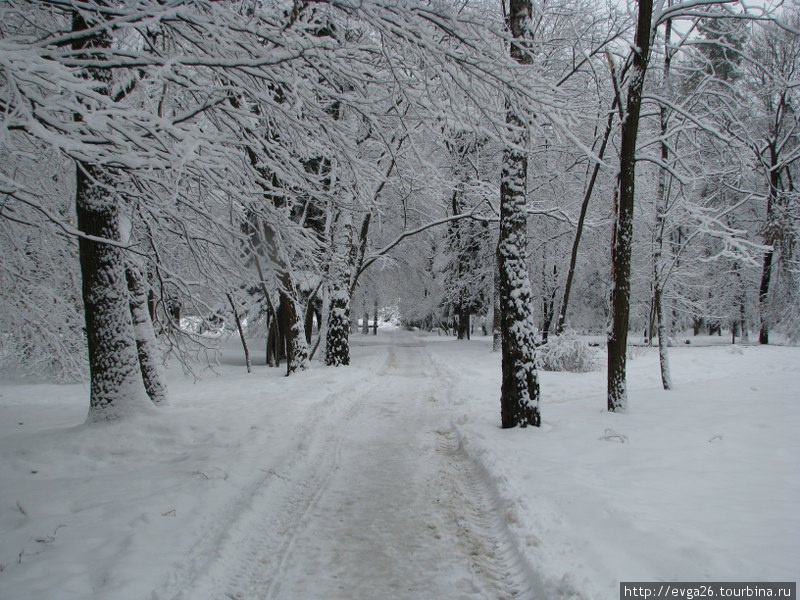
{"x": 267, "y": 266}
{"x": 173, "y": 168}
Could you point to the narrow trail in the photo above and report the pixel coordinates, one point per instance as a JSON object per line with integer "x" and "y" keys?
{"x": 380, "y": 502}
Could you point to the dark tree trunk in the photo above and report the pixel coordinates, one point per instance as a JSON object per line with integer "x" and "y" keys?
{"x": 375, "y": 322}
{"x": 497, "y": 336}
{"x": 763, "y": 298}
{"x": 622, "y": 235}
{"x": 240, "y": 329}
{"x": 365, "y": 324}
{"x": 292, "y": 334}
{"x": 519, "y": 394}
{"x": 146, "y": 347}
{"x": 116, "y": 376}
{"x": 309, "y": 322}
{"x": 337, "y": 345}
{"x": 771, "y": 232}
{"x": 463, "y": 323}
{"x": 344, "y": 257}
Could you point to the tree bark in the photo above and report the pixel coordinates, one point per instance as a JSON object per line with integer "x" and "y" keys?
{"x": 240, "y": 329}
{"x": 770, "y": 238}
{"x": 519, "y": 394}
{"x": 146, "y": 346}
{"x": 337, "y": 340}
{"x": 116, "y": 377}
{"x": 622, "y": 234}
{"x": 497, "y": 336}
{"x": 661, "y": 218}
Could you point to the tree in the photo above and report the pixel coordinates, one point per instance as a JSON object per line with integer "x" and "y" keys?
{"x": 519, "y": 394}
{"x": 622, "y": 233}
{"x": 776, "y": 144}
{"x": 116, "y": 383}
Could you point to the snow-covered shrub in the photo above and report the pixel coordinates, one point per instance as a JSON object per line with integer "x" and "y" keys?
{"x": 565, "y": 352}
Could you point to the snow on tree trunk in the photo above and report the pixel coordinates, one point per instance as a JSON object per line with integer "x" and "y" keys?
{"x": 519, "y": 395}
{"x": 146, "y": 346}
{"x": 661, "y": 329}
{"x": 297, "y": 351}
{"x": 497, "y": 336}
{"x": 662, "y": 200}
{"x": 622, "y": 235}
{"x": 520, "y": 388}
{"x": 337, "y": 346}
{"x": 116, "y": 377}
{"x": 770, "y": 238}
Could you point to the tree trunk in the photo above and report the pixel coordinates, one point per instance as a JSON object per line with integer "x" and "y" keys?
{"x": 763, "y": 298}
{"x": 662, "y": 200}
{"x": 337, "y": 346}
{"x": 116, "y": 376}
{"x": 497, "y": 337}
{"x": 463, "y": 322}
{"x": 375, "y": 322}
{"x": 519, "y": 394}
{"x": 663, "y": 357}
{"x": 365, "y": 324}
{"x": 146, "y": 346}
{"x": 293, "y": 334}
{"x": 622, "y": 235}
{"x": 240, "y": 329}
{"x": 337, "y": 339}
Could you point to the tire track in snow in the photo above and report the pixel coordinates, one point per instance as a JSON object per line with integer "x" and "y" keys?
{"x": 494, "y": 554}
{"x": 307, "y": 498}
{"x": 259, "y": 521}
{"x": 259, "y": 557}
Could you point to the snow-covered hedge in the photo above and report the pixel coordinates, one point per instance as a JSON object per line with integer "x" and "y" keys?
{"x": 565, "y": 352}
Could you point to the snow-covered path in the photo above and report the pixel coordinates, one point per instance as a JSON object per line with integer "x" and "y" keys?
{"x": 392, "y": 479}
{"x": 381, "y": 503}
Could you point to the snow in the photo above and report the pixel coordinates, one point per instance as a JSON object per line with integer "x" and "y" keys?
{"x": 392, "y": 478}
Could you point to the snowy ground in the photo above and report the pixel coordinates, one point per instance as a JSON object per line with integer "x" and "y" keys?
{"x": 392, "y": 479}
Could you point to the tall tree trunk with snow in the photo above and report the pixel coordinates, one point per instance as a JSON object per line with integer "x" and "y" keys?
{"x": 146, "y": 346}
{"x": 497, "y": 336}
{"x": 116, "y": 376}
{"x": 337, "y": 340}
{"x": 622, "y": 235}
{"x": 291, "y": 317}
{"x": 519, "y": 395}
{"x": 116, "y": 380}
{"x": 297, "y": 351}
{"x": 661, "y": 217}
{"x": 770, "y": 238}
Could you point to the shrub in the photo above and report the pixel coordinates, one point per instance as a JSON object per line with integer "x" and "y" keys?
{"x": 566, "y": 353}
